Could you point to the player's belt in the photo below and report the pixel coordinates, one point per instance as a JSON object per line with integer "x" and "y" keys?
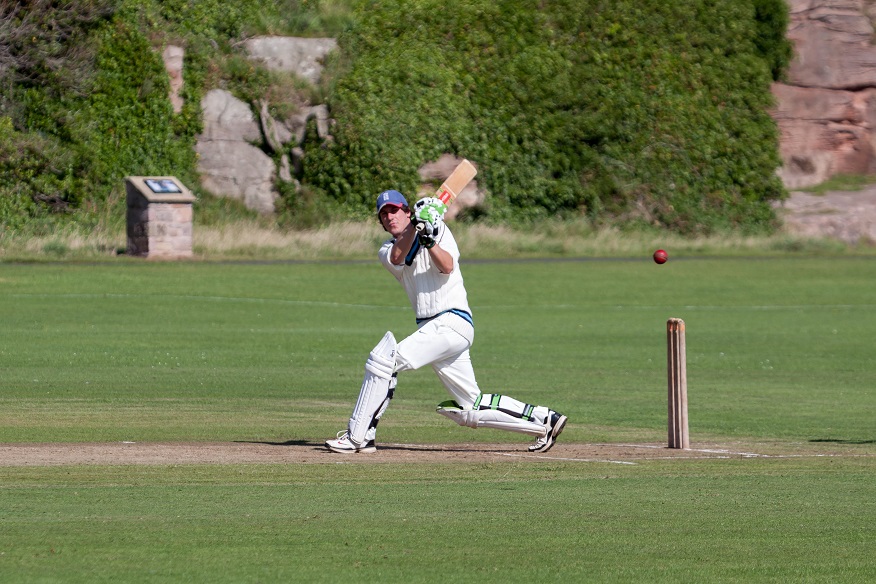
{"x": 460, "y": 313}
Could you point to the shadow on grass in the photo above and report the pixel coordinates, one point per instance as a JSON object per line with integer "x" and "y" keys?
{"x": 286, "y": 443}
{"x": 397, "y": 447}
{"x": 841, "y": 441}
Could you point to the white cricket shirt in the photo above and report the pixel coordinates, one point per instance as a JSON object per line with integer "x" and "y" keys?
{"x": 429, "y": 291}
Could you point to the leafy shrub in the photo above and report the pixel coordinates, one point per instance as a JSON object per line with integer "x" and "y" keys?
{"x": 35, "y": 181}
{"x": 303, "y": 17}
{"x": 46, "y": 63}
{"x": 130, "y": 128}
{"x": 217, "y": 20}
{"x": 638, "y": 112}
{"x": 633, "y": 110}
{"x": 772, "y": 19}
{"x": 79, "y": 135}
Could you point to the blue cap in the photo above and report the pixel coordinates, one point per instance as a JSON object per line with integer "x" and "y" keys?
{"x": 391, "y": 197}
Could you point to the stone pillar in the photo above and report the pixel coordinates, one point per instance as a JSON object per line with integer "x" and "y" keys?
{"x": 174, "y": 57}
{"x": 159, "y": 217}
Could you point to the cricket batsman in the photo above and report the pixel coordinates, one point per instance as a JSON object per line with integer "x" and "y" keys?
{"x": 424, "y": 258}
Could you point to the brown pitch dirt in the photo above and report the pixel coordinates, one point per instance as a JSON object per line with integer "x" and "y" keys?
{"x": 306, "y": 452}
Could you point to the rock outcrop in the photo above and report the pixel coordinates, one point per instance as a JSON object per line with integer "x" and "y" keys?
{"x": 229, "y": 164}
{"x": 240, "y": 141}
{"x": 302, "y": 56}
{"x": 173, "y": 57}
{"x": 848, "y": 216}
{"x": 826, "y": 111}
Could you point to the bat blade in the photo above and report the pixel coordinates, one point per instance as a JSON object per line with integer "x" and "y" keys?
{"x": 457, "y": 181}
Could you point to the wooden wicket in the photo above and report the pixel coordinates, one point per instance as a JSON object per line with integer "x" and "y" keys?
{"x": 677, "y": 371}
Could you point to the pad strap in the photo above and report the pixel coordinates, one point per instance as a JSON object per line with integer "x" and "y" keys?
{"x": 489, "y": 418}
{"x": 507, "y": 405}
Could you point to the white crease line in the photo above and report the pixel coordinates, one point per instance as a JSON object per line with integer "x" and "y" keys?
{"x": 722, "y": 451}
{"x": 566, "y": 459}
{"x": 687, "y": 458}
{"x": 730, "y": 456}
{"x": 728, "y": 453}
{"x": 633, "y": 445}
{"x": 705, "y": 450}
{"x": 516, "y": 455}
{"x": 719, "y": 454}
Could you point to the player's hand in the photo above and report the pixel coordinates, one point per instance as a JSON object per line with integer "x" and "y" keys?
{"x": 427, "y": 241}
{"x": 428, "y": 228}
{"x": 428, "y": 218}
{"x": 428, "y": 233}
{"x": 429, "y": 210}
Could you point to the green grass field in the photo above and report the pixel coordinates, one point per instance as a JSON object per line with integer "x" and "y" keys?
{"x": 780, "y": 358}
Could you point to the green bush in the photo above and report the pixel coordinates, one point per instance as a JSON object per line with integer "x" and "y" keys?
{"x": 625, "y": 111}
{"x": 46, "y": 64}
{"x": 130, "y": 128}
{"x": 35, "y": 178}
{"x": 15, "y": 203}
{"x": 73, "y": 140}
{"x": 634, "y": 110}
{"x": 771, "y": 41}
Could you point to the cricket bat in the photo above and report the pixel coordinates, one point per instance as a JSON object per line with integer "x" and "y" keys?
{"x": 458, "y": 179}
{"x": 450, "y": 188}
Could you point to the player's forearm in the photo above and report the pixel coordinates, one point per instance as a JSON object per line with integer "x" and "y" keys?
{"x": 402, "y": 245}
{"x": 442, "y": 259}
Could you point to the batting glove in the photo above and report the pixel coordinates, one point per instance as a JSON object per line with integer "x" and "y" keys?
{"x": 427, "y": 241}
{"x": 430, "y": 210}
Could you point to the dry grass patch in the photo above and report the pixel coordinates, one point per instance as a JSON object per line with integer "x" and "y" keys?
{"x": 255, "y": 239}
{"x": 342, "y": 241}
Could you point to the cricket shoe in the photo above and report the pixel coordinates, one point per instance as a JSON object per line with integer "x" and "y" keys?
{"x": 344, "y": 445}
{"x": 555, "y": 425}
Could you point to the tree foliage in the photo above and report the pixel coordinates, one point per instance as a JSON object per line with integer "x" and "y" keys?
{"x": 85, "y": 99}
{"x": 46, "y": 62}
{"x": 622, "y": 110}
{"x": 637, "y": 110}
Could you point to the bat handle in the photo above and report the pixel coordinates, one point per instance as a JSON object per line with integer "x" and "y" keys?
{"x": 419, "y": 226}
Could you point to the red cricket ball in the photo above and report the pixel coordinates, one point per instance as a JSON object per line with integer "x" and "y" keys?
{"x": 660, "y": 256}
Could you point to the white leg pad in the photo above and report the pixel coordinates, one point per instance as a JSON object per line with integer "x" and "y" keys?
{"x": 375, "y": 393}
{"x": 489, "y": 419}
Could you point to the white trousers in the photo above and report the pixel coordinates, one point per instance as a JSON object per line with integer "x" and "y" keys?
{"x": 443, "y": 343}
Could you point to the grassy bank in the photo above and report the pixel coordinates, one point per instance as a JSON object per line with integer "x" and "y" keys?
{"x": 253, "y": 239}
